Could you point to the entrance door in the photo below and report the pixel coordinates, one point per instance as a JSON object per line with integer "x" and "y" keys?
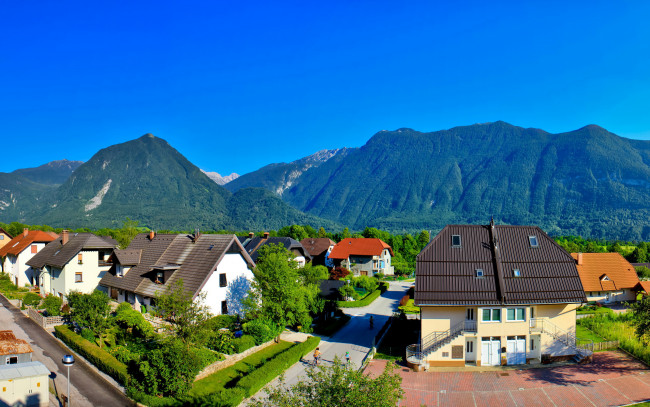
{"x": 516, "y": 350}
{"x": 490, "y": 352}
{"x": 114, "y": 293}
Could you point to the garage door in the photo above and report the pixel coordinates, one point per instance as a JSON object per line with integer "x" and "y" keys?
{"x": 516, "y": 350}
{"x": 490, "y": 352}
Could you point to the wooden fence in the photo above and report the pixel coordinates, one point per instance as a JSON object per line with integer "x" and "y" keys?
{"x": 45, "y": 322}
{"x": 598, "y": 346}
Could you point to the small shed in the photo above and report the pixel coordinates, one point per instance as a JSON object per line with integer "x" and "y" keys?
{"x": 25, "y": 384}
{"x": 13, "y": 350}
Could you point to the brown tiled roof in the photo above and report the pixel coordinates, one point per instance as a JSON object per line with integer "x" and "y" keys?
{"x": 359, "y": 247}
{"x": 595, "y": 266}
{"x": 58, "y": 255}
{"x": 192, "y": 259}
{"x": 128, "y": 257}
{"x": 317, "y": 246}
{"x": 10, "y": 345}
{"x": 253, "y": 245}
{"x": 446, "y": 275}
{"x": 21, "y": 242}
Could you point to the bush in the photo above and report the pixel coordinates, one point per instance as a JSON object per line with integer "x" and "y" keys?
{"x": 347, "y": 291}
{"x": 52, "y": 305}
{"x": 221, "y": 321}
{"x": 88, "y": 335}
{"x": 103, "y": 360}
{"x": 262, "y": 329}
{"x": 367, "y": 283}
{"x": 122, "y": 354}
{"x": 152, "y": 401}
{"x": 643, "y": 272}
{"x": 32, "y": 300}
{"x": 222, "y": 341}
{"x": 223, "y": 398}
{"x": 259, "y": 377}
{"x": 243, "y": 343}
{"x": 132, "y": 321}
{"x": 205, "y": 356}
{"x": 367, "y": 300}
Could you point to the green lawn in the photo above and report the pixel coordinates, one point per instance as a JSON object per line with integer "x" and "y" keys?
{"x": 593, "y": 309}
{"x": 584, "y": 333}
{"x": 228, "y": 377}
{"x": 410, "y": 308}
{"x": 9, "y": 289}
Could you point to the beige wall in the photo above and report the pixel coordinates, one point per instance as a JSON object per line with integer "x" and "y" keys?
{"x": 25, "y": 391}
{"x": 626, "y": 294}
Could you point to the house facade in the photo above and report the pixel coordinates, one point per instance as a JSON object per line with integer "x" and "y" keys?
{"x": 319, "y": 248}
{"x": 214, "y": 265}
{"x": 495, "y": 295}
{"x": 19, "y": 251}
{"x": 253, "y": 243}
{"x": 363, "y": 256}
{"x": 72, "y": 262}
{"x": 5, "y": 238}
{"x": 606, "y": 277}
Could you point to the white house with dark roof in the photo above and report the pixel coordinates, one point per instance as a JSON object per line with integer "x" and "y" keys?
{"x": 216, "y": 265}
{"x": 493, "y": 295}
{"x": 73, "y": 262}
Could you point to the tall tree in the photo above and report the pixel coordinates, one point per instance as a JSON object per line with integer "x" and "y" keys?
{"x": 186, "y": 315}
{"x": 90, "y": 310}
{"x": 321, "y": 232}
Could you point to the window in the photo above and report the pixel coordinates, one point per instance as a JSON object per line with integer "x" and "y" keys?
{"x": 34, "y": 248}
{"x": 455, "y": 240}
{"x": 470, "y": 314}
{"x": 479, "y": 273}
{"x": 80, "y": 259}
{"x": 222, "y": 280}
{"x": 532, "y": 344}
{"x": 119, "y": 271}
{"x": 533, "y": 241}
{"x": 516, "y": 314}
{"x": 12, "y": 360}
{"x": 2, "y": 237}
{"x": 491, "y": 315}
{"x": 159, "y": 277}
{"x": 78, "y": 277}
{"x": 516, "y": 273}
{"x": 224, "y": 307}
{"x": 532, "y": 312}
{"x": 469, "y": 347}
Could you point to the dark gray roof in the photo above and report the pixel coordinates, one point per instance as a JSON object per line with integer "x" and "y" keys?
{"x": 191, "y": 259}
{"x": 318, "y": 245}
{"x": 446, "y": 275}
{"x": 128, "y": 257}
{"x": 58, "y": 255}
{"x": 253, "y": 245}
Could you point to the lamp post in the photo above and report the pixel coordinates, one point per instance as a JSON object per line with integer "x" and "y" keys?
{"x": 68, "y": 360}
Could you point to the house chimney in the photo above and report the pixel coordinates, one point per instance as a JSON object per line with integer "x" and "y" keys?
{"x": 25, "y": 232}
{"x": 251, "y": 235}
{"x": 579, "y": 261}
{"x": 266, "y": 235}
{"x": 152, "y": 234}
{"x": 64, "y": 236}
{"x": 197, "y": 233}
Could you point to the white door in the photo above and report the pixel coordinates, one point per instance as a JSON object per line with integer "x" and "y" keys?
{"x": 490, "y": 352}
{"x": 516, "y": 350}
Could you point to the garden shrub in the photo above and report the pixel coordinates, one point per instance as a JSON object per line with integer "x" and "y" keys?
{"x": 32, "y": 300}
{"x": 262, "y": 330}
{"x": 132, "y": 321}
{"x": 52, "y": 305}
{"x": 223, "y": 398}
{"x": 221, "y": 321}
{"x": 205, "y": 357}
{"x": 88, "y": 335}
{"x": 103, "y": 360}
{"x": 259, "y": 377}
{"x": 348, "y": 291}
{"x": 152, "y": 401}
{"x": 367, "y": 300}
{"x": 367, "y": 283}
{"x": 222, "y": 341}
{"x": 243, "y": 343}
{"x": 123, "y": 354}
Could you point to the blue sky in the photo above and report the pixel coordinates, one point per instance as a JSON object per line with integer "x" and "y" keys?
{"x": 238, "y": 85}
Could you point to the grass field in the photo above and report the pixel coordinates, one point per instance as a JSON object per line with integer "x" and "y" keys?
{"x": 584, "y": 333}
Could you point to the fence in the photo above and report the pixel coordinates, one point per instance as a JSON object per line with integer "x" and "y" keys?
{"x": 598, "y": 346}
{"x": 45, "y": 322}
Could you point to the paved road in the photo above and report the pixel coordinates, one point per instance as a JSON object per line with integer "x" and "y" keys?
{"x": 355, "y": 337}
{"x": 88, "y": 387}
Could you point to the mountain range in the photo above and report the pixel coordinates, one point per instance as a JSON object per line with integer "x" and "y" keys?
{"x": 587, "y": 182}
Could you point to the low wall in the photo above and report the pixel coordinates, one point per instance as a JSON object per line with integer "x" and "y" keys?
{"x": 43, "y": 321}
{"x": 230, "y": 360}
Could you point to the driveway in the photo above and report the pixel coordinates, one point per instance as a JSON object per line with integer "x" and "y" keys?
{"x": 87, "y": 387}
{"x": 613, "y": 379}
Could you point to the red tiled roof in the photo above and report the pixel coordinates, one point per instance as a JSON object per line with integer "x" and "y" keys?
{"x": 595, "y": 266}
{"x": 359, "y": 247}
{"x": 643, "y": 286}
{"x": 21, "y": 242}
{"x": 9, "y": 345}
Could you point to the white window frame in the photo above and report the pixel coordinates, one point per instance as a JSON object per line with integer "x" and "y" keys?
{"x": 491, "y": 320}
{"x": 460, "y": 241}
{"x": 515, "y": 309}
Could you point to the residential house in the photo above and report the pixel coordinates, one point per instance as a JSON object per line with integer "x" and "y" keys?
{"x": 492, "y": 295}
{"x": 5, "y": 237}
{"x": 72, "y": 262}
{"x": 19, "y": 250}
{"x": 215, "y": 265}
{"x": 319, "y": 250}
{"x": 253, "y": 243}
{"x": 365, "y": 257}
{"x": 606, "y": 277}
{"x": 23, "y": 382}
{"x": 643, "y": 287}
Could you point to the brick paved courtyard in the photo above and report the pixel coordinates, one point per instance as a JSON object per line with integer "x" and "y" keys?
{"x": 613, "y": 379}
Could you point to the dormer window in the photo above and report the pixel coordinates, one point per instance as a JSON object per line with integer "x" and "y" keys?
{"x": 455, "y": 240}
{"x": 479, "y": 272}
{"x": 533, "y": 241}
{"x": 160, "y": 279}
{"x": 605, "y": 278}
{"x": 516, "y": 273}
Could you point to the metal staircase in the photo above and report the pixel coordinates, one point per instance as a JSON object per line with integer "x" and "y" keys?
{"x": 582, "y": 347}
{"x": 436, "y": 340}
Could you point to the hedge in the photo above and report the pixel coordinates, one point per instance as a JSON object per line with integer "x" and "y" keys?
{"x": 103, "y": 360}
{"x": 367, "y": 300}
{"x": 259, "y": 377}
{"x": 243, "y": 343}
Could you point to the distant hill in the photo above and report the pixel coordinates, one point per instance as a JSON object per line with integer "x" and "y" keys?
{"x": 221, "y": 180}
{"x": 279, "y": 177}
{"x": 588, "y": 182}
{"x": 21, "y": 198}
{"x": 52, "y": 173}
{"x": 146, "y": 180}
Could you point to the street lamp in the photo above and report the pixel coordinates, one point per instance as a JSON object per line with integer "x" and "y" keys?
{"x": 68, "y": 360}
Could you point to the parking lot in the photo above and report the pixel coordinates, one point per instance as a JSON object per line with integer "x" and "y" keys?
{"x": 613, "y": 379}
